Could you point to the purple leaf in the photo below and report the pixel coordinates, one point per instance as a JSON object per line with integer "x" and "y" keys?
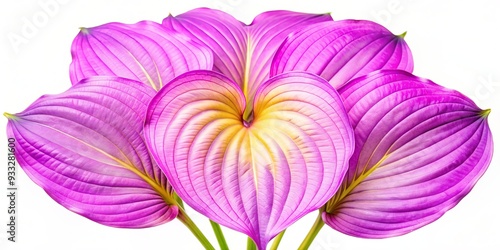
{"x": 420, "y": 148}
{"x": 145, "y": 51}
{"x": 85, "y": 148}
{"x": 242, "y": 53}
{"x": 257, "y": 176}
{"x": 342, "y": 50}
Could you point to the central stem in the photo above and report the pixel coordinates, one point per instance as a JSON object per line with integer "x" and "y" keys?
{"x": 277, "y": 240}
{"x": 250, "y": 244}
{"x": 219, "y": 235}
{"x": 318, "y": 224}
{"x": 184, "y": 218}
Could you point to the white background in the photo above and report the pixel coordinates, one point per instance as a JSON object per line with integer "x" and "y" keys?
{"x": 454, "y": 43}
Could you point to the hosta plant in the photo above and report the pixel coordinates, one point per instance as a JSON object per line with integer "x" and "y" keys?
{"x": 253, "y": 126}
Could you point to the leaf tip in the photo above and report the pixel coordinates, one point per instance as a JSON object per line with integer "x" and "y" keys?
{"x": 9, "y": 116}
{"x": 402, "y": 36}
{"x": 485, "y": 113}
{"x": 84, "y": 31}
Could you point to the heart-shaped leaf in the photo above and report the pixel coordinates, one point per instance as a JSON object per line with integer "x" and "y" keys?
{"x": 420, "y": 148}
{"x": 342, "y": 50}
{"x": 258, "y": 176}
{"x": 145, "y": 51}
{"x": 242, "y": 52}
{"x": 85, "y": 148}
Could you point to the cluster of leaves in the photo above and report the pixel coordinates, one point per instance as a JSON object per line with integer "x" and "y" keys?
{"x": 253, "y": 126}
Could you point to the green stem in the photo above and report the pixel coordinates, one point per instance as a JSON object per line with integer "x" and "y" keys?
{"x": 219, "y": 235}
{"x": 184, "y": 218}
{"x": 178, "y": 200}
{"x": 277, "y": 240}
{"x": 250, "y": 244}
{"x": 318, "y": 224}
